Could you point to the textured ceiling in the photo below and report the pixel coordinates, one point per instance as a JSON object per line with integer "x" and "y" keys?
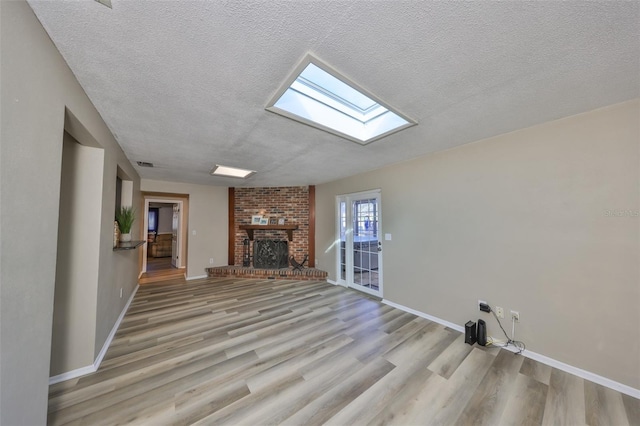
{"x": 184, "y": 84}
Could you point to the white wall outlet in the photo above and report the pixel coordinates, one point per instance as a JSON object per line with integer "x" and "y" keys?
{"x": 515, "y": 315}
{"x": 387, "y": 237}
{"x": 120, "y": 293}
{"x": 499, "y": 312}
{"x": 211, "y": 261}
{"x": 193, "y": 232}
{"x": 317, "y": 263}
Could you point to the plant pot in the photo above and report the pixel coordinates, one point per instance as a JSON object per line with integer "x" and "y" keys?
{"x": 125, "y": 238}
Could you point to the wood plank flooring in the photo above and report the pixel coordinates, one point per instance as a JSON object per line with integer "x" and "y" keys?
{"x": 158, "y": 263}
{"x": 251, "y": 352}
{"x": 160, "y": 269}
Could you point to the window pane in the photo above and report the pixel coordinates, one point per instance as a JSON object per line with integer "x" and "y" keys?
{"x": 153, "y": 220}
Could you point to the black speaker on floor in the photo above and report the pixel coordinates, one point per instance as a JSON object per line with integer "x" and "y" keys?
{"x": 470, "y": 332}
{"x": 482, "y": 333}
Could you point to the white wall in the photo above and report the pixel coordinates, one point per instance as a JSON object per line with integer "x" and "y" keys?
{"x": 520, "y": 220}
{"x": 207, "y": 222}
{"x": 37, "y": 89}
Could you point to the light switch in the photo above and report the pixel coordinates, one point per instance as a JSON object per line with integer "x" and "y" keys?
{"x": 193, "y": 232}
{"x": 387, "y": 237}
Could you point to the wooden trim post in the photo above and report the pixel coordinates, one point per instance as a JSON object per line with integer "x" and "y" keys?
{"x": 232, "y": 226}
{"x": 312, "y": 226}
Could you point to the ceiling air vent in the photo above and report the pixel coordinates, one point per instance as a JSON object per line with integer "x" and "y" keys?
{"x": 105, "y": 2}
{"x": 144, "y": 164}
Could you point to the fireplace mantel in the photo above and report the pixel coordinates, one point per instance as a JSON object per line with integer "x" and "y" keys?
{"x": 250, "y": 228}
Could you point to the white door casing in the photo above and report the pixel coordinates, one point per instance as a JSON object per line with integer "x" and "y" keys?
{"x": 359, "y": 230}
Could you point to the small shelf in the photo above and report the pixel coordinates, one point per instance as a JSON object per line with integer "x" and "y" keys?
{"x": 250, "y": 228}
{"x": 130, "y": 245}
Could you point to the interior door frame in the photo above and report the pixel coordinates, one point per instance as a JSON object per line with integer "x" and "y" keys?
{"x": 151, "y": 199}
{"x": 348, "y": 281}
{"x": 176, "y": 225}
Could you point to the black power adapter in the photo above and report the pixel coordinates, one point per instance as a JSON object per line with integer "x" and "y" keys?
{"x": 485, "y": 307}
{"x": 470, "y": 332}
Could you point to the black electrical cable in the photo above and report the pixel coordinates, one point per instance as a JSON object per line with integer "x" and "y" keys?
{"x": 518, "y": 344}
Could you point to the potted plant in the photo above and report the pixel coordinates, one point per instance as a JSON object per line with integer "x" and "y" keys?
{"x": 125, "y": 217}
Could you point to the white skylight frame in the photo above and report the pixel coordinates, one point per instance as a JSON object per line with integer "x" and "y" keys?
{"x": 363, "y": 118}
{"x": 233, "y": 172}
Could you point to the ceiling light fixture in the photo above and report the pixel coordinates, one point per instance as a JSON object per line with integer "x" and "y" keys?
{"x": 233, "y": 172}
{"x": 317, "y": 95}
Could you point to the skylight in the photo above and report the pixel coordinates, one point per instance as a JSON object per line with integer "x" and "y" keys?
{"x": 320, "y": 97}
{"x": 234, "y": 172}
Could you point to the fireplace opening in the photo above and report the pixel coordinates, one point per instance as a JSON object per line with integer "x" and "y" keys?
{"x": 270, "y": 254}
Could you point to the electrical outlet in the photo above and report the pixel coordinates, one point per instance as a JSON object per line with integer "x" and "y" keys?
{"x": 515, "y": 315}
{"x": 211, "y": 261}
{"x": 499, "y": 312}
{"x": 484, "y": 306}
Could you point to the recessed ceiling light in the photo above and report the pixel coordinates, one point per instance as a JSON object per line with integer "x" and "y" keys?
{"x": 234, "y": 172}
{"x": 319, "y": 96}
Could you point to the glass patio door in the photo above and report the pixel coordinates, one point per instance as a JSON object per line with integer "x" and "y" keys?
{"x": 360, "y": 253}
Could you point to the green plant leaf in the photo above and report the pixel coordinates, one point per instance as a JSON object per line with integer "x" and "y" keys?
{"x": 125, "y": 217}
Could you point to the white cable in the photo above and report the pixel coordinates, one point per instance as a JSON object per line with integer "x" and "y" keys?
{"x": 520, "y": 345}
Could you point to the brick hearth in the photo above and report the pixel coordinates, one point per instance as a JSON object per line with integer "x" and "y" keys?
{"x": 307, "y": 274}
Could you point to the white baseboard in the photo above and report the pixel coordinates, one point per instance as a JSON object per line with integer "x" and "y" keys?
{"x": 107, "y": 342}
{"x": 423, "y": 315}
{"x": 336, "y": 283}
{"x": 587, "y": 375}
{"x": 199, "y": 277}
{"x": 83, "y": 371}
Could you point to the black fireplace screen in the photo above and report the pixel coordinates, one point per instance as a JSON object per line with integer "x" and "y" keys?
{"x": 270, "y": 254}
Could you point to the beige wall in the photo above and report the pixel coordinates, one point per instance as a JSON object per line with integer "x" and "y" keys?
{"x": 208, "y": 218}
{"x": 37, "y": 88}
{"x": 520, "y": 220}
{"x": 74, "y": 311}
{"x": 165, "y": 220}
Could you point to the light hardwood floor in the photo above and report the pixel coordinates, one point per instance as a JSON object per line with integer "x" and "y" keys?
{"x": 160, "y": 269}
{"x": 250, "y": 352}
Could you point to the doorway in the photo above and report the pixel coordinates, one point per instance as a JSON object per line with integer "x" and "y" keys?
{"x": 164, "y": 255}
{"x": 360, "y": 253}
{"x": 162, "y": 236}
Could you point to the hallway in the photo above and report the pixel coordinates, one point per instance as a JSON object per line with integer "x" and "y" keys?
{"x": 160, "y": 269}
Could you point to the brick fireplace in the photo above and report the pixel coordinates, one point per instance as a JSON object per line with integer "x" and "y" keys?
{"x": 294, "y": 204}
{"x": 290, "y": 203}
